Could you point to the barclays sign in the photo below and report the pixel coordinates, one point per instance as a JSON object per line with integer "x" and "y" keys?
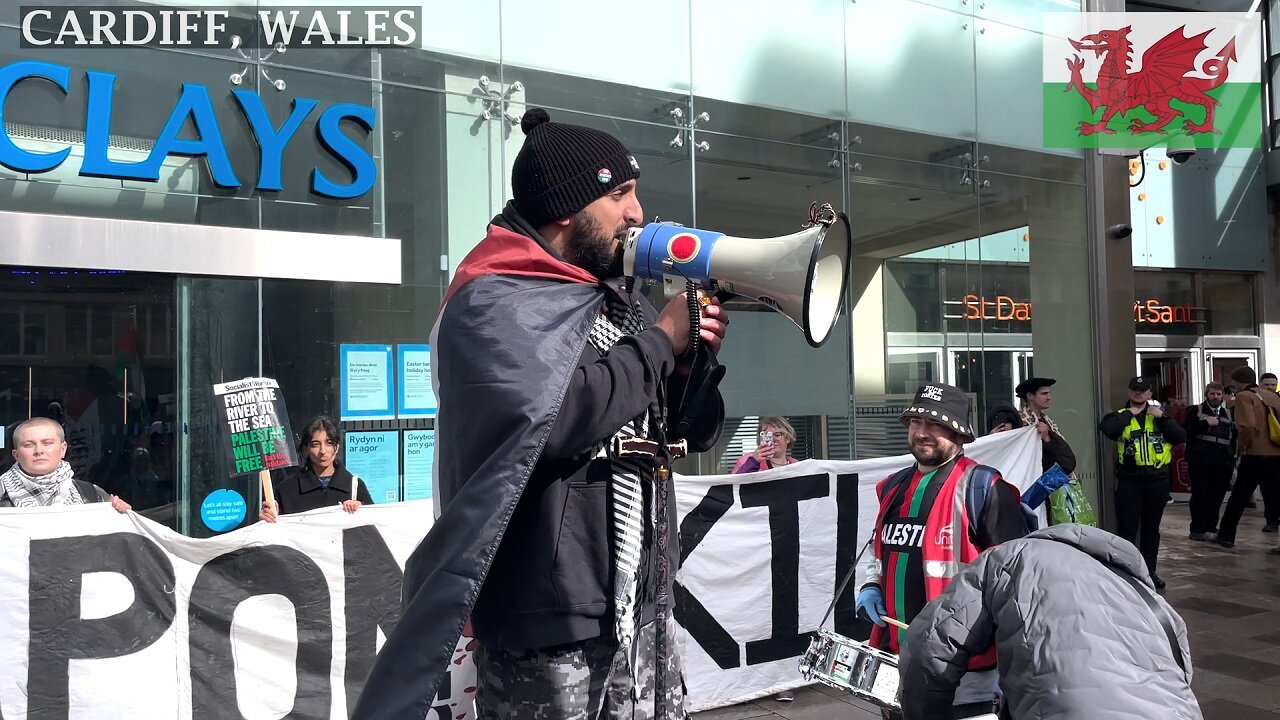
{"x": 195, "y": 104}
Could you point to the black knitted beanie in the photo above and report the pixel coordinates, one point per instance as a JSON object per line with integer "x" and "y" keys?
{"x": 563, "y": 168}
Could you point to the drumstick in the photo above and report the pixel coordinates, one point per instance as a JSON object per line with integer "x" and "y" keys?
{"x": 895, "y": 623}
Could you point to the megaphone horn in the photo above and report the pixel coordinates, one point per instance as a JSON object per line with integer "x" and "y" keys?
{"x": 802, "y": 275}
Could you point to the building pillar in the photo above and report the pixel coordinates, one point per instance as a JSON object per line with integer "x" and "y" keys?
{"x": 1062, "y": 323}
{"x": 1110, "y": 255}
{"x": 868, "y": 337}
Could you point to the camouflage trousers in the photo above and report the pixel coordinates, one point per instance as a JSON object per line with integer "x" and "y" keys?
{"x": 589, "y": 680}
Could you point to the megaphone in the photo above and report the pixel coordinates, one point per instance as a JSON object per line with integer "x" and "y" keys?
{"x": 802, "y": 275}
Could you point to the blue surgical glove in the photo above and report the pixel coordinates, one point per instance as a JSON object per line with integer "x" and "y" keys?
{"x": 871, "y": 604}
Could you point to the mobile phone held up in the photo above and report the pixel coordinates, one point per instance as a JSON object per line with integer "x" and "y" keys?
{"x": 766, "y": 438}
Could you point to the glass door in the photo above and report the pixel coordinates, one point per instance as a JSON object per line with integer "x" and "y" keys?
{"x": 1177, "y": 382}
{"x": 1219, "y": 364}
{"x": 990, "y": 375}
{"x": 1024, "y": 366}
{"x": 1176, "y": 378}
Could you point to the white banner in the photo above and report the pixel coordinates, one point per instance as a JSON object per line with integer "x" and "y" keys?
{"x": 105, "y": 616}
{"x": 763, "y": 553}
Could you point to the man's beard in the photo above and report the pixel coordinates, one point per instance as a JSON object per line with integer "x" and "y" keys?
{"x": 930, "y": 454}
{"x": 591, "y": 249}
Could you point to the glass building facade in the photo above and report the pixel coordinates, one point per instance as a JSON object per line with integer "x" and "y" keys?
{"x": 920, "y": 118}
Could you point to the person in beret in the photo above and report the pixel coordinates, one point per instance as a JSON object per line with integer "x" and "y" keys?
{"x": 936, "y": 516}
{"x": 1036, "y": 398}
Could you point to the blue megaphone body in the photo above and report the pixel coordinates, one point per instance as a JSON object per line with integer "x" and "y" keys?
{"x": 802, "y": 275}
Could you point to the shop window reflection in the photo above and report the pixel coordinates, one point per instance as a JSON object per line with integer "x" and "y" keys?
{"x": 1228, "y": 304}
{"x": 1165, "y": 303}
{"x": 911, "y": 298}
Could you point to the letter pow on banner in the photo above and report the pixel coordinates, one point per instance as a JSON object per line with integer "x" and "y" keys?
{"x": 763, "y": 553}
{"x": 254, "y": 425}
{"x": 111, "y": 616}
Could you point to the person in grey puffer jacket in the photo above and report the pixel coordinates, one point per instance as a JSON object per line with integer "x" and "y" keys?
{"x": 1079, "y": 631}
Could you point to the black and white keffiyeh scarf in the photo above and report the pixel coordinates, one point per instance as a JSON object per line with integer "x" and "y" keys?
{"x": 55, "y": 488}
{"x": 627, "y": 485}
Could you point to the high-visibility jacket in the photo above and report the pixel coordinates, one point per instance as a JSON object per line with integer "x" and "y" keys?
{"x": 1143, "y": 444}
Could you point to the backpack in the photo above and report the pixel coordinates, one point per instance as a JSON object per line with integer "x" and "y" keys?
{"x": 1273, "y": 426}
{"x": 1273, "y": 422}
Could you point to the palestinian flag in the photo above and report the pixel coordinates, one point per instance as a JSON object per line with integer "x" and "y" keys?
{"x": 1139, "y": 80}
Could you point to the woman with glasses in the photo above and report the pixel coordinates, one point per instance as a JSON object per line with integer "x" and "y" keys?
{"x": 321, "y": 481}
{"x": 776, "y": 438}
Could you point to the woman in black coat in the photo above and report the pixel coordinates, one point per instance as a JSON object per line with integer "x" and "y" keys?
{"x": 321, "y": 481}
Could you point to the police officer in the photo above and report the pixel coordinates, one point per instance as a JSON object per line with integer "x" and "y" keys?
{"x": 1211, "y": 434}
{"x": 1144, "y": 437}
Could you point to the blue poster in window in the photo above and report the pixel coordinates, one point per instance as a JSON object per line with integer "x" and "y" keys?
{"x": 419, "y": 457}
{"x": 375, "y": 457}
{"x": 366, "y": 382}
{"x": 416, "y": 397}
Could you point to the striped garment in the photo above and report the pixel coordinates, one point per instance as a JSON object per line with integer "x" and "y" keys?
{"x": 628, "y": 508}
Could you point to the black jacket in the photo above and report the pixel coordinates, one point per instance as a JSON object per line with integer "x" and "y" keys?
{"x": 555, "y": 556}
{"x": 1205, "y": 442}
{"x": 523, "y": 402}
{"x": 299, "y": 490}
{"x": 1113, "y": 425}
{"x": 1056, "y": 450}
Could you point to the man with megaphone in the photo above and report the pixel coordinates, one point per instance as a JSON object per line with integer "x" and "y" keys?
{"x": 559, "y": 392}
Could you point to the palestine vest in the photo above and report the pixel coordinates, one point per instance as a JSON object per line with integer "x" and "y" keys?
{"x": 946, "y": 543}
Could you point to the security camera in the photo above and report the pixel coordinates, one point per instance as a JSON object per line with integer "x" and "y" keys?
{"x": 1180, "y": 156}
{"x": 1120, "y": 232}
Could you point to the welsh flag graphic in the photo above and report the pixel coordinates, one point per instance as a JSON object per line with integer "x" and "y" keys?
{"x": 1138, "y": 80}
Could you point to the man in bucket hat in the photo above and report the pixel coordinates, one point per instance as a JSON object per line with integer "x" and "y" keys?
{"x": 935, "y": 516}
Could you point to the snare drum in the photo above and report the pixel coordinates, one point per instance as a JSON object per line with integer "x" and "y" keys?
{"x": 841, "y": 662}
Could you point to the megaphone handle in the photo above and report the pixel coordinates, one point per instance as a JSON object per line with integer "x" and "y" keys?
{"x": 695, "y": 317}
{"x": 705, "y": 375}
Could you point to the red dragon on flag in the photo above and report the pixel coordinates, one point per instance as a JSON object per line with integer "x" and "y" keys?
{"x": 1162, "y": 78}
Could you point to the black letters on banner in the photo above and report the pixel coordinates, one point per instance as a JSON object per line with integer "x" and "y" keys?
{"x": 847, "y": 549}
{"x": 373, "y": 581}
{"x": 228, "y": 580}
{"x": 689, "y": 612}
{"x": 782, "y": 497}
{"x": 59, "y": 635}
